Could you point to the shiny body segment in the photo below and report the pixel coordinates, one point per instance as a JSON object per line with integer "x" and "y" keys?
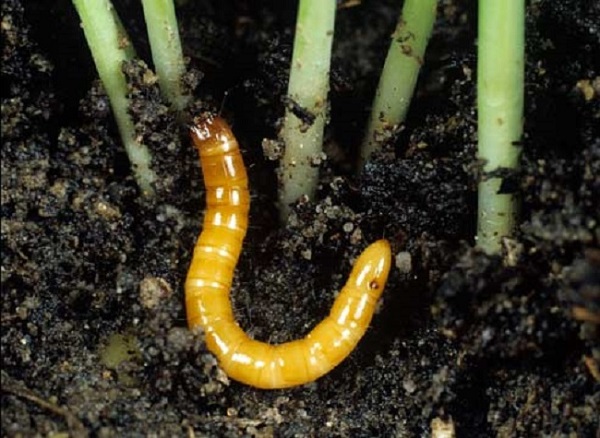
{"x": 211, "y": 272}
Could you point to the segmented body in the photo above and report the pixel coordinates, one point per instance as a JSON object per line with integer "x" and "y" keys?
{"x": 211, "y": 272}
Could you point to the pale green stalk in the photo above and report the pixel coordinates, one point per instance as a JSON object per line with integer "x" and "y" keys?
{"x": 308, "y": 88}
{"x": 110, "y": 47}
{"x": 400, "y": 72}
{"x": 500, "y": 90}
{"x": 163, "y": 33}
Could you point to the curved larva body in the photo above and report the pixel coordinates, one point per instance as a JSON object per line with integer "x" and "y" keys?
{"x": 210, "y": 275}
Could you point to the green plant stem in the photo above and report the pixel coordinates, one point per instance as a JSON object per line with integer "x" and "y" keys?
{"x": 163, "y": 33}
{"x": 110, "y": 47}
{"x": 308, "y": 88}
{"x": 400, "y": 72}
{"x": 500, "y": 91}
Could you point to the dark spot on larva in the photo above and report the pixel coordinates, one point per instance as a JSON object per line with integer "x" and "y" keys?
{"x": 374, "y": 285}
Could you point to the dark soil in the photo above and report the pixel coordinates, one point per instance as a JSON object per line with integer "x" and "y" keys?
{"x": 497, "y": 346}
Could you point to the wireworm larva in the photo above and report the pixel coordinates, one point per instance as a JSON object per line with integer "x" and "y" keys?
{"x": 210, "y": 276}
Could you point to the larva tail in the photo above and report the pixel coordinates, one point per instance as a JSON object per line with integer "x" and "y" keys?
{"x": 337, "y": 335}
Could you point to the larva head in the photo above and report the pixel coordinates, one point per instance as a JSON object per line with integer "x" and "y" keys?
{"x": 372, "y": 268}
{"x": 212, "y": 135}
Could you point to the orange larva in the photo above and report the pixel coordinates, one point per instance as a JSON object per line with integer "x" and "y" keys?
{"x": 210, "y": 275}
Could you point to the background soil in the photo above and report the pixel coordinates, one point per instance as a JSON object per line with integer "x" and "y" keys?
{"x": 504, "y": 346}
